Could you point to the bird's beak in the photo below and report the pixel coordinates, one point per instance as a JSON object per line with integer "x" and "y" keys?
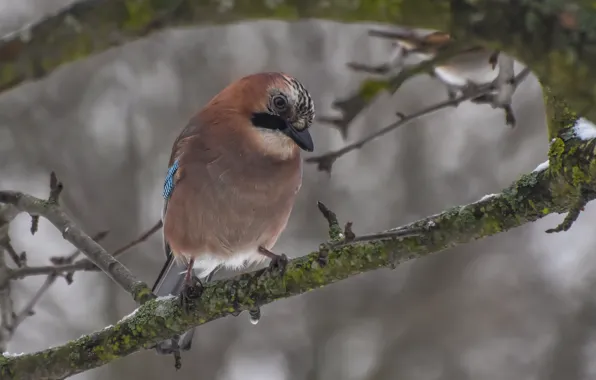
{"x": 301, "y": 138}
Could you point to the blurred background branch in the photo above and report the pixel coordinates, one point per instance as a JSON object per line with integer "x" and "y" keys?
{"x": 556, "y": 44}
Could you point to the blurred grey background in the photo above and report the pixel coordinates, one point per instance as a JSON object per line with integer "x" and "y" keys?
{"x": 518, "y": 305}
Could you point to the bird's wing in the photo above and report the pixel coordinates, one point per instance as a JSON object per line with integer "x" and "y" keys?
{"x": 171, "y": 277}
{"x": 169, "y": 280}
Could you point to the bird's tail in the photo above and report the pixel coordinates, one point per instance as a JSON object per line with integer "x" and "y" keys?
{"x": 170, "y": 282}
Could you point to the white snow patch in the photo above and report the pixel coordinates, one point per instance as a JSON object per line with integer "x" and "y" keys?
{"x": 541, "y": 167}
{"x": 129, "y": 315}
{"x": 162, "y": 309}
{"x": 163, "y": 298}
{"x": 584, "y": 129}
{"x": 488, "y": 196}
{"x": 11, "y": 354}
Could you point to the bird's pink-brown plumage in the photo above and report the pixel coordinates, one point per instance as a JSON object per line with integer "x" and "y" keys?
{"x": 234, "y": 191}
{"x": 234, "y": 173}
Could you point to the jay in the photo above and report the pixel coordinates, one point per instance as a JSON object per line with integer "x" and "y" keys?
{"x": 231, "y": 183}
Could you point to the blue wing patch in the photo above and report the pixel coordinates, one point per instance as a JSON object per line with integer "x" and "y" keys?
{"x": 168, "y": 186}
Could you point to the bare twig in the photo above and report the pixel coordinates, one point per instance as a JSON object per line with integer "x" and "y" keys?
{"x": 7, "y": 214}
{"x": 397, "y": 234}
{"x": 6, "y": 304}
{"x": 27, "y": 310}
{"x": 16, "y": 258}
{"x": 506, "y": 84}
{"x": 577, "y": 206}
{"x": 335, "y": 232}
{"x": 339, "y": 238}
{"x": 353, "y": 105}
{"x": 61, "y": 260}
{"x": 54, "y": 198}
{"x": 80, "y": 265}
{"x": 325, "y": 161}
{"x": 144, "y": 236}
{"x": 94, "y": 252}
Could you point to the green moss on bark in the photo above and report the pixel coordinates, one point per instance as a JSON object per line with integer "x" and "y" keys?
{"x": 531, "y": 197}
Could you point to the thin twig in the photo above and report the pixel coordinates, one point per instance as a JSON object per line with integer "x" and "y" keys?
{"x": 80, "y": 265}
{"x": 7, "y": 245}
{"x": 27, "y": 310}
{"x": 353, "y": 105}
{"x": 505, "y": 86}
{"x": 398, "y": 234}
{"x": 144, "y": 236}
{"x": 60, "y": 260}
{"x": 6, "y": 304}
{"x": 325, "y": 161}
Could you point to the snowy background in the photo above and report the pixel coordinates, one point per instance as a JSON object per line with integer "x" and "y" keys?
{"x": 518, "y": 305}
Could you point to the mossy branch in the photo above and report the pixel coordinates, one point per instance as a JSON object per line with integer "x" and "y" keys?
{"x": 555, "y": 38}
{"x": 568, "y": 181}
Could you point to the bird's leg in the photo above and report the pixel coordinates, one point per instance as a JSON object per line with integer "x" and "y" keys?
{"x": 185, "y": 340}
{"x": 278, "y": 262}
{"x": 192, "y": 287}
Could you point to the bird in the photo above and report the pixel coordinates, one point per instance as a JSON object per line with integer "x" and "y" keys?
{"x": 469, "y": 68}
{"x": 232, "y": 179}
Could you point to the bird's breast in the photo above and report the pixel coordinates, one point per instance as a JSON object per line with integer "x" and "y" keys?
{"x": 226, "y": 207}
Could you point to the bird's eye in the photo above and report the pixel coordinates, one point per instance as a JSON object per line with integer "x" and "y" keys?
{"x": 280, "y": 102}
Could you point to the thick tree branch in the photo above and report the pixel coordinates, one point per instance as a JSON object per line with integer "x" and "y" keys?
{"x": 567, "y": 182}
{"x": 94, "y": 252}
{"x": 556, "y": 40}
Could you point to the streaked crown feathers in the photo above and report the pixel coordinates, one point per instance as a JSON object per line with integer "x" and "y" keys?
{"x": 302, "y": 106}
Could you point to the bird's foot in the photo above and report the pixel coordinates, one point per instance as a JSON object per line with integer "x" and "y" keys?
{"x": 191, "y": 290}
{"x": 278, "y": 262}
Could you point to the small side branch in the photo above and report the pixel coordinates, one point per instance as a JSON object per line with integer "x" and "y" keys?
{"x": 64, "y": 264}
{"x": 325, "y": 161}
{"x": 94, "y": 252}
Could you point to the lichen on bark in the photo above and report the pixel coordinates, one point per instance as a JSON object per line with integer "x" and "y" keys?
{"x": 531, "y": 197}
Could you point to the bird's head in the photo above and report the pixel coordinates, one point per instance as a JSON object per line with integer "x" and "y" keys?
{"x": 279, "y": 108}
{"x": 285, "y": 112}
